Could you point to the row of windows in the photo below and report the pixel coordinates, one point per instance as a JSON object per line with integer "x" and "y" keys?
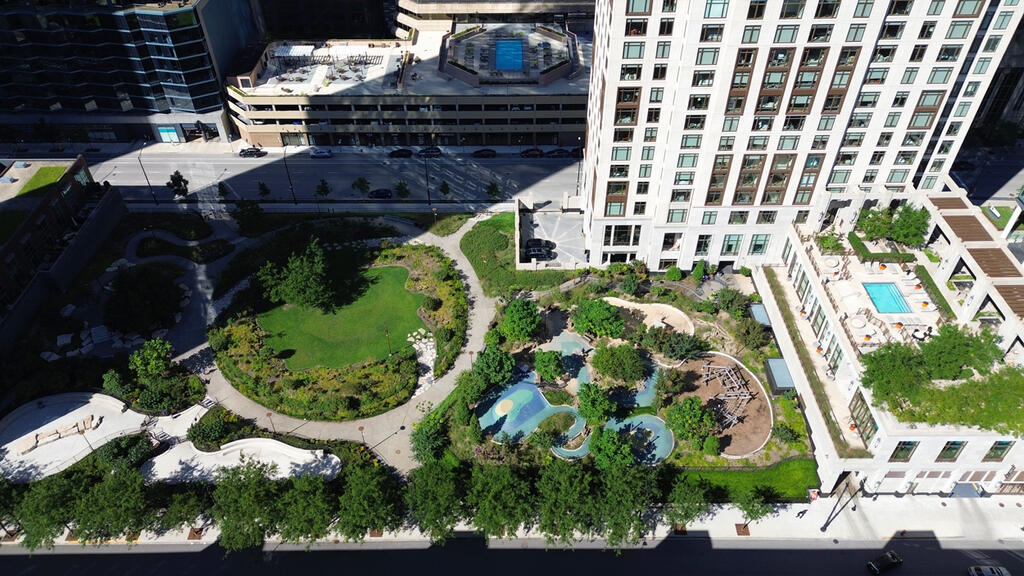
{"x": 794, "y": 9}
{"x": 951, "y": 451}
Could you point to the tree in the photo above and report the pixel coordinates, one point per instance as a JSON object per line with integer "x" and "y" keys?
{"x": 306, "y": 509}
{"x": 910, "y": 225}
{"x": 875, "y": 224}
{"x": 429, "y": 438}
{"x": 622, "y": 363}
{"x": 248, "y": 214}
{"x": 445, "y": 189}
{"x": 362, "y": 185}
{"x": 244, "y": 501}
{"x": 8, "y": 504}
{"x": 751, "y": 334}
{"x": 598, "y": 318}
{"x": 470, "y": 385}
{"x": 303, "y": 281}
{"x": 520, "y": 321}
{"x": 434, "y": 496}
{"x": 626, "y": 497}
{"x": 45, "y": 511}
{"x": 687, "y": 501}
{"x": 594, "y": 403}
{"x": 732, "y": 301}
{"x": 402, "y": 189}
{"x": 493, "y": 190}
{"x": 152, "y": 360}
{"x": 565, "y": 506}
{"x": 264, "y": 190}
{"x": 611, "y": 450}
{"x": 114, "y": 384}
{"x": 630, "y": 284}
{"x": 673, "y": 274}
{"x": 953, "y": 348}
{"x": 144, "y": 297}
{"x": 690, "y": 421}
{"x": 501, "y": 500}
{"x": 548, "y": 364}
{"x": 183, "y": 507}
{"x": 114, "y": 506}
{"x": 372, "y": 500}
{"x": 494, "y": 366}
{"x": 178, "y": 184}
{"x": 753, "y": 504}
{"x": 894, "y": 372}
{"x": 323, "y": 189}
{"x": 711, "y": 446}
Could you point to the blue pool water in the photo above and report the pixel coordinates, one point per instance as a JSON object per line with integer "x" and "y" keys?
{"x": 886, "y": 297}
{"x": 508, "y": 55}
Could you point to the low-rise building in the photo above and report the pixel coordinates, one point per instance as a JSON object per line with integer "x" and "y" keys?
{"x": 477, "y": 85}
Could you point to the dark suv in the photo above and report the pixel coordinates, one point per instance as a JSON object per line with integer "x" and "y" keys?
{"x": 251, "y": 153}
{"x": 484, "y": 153}
{"x": 380, "y": 193}
{"x": 885, "y": 562}
{"x": 429, "y": 152}
{"x": 401, "y": 153}
{"x": 532, "y": 153}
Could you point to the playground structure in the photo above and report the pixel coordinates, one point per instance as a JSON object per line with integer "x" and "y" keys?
{"x": 732, "y": 403}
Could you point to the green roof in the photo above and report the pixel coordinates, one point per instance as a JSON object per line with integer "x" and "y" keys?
{"x": 9, "y": 222}
{"x": 41, "y": 181}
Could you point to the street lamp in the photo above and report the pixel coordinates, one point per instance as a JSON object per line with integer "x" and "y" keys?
{"x": 434, "y": 210}
{"x": 151, "y": 193}
{"x": 291, "y": 187}
{"x": 426, "y": 173}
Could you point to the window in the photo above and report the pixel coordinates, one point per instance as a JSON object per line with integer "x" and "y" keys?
{"x": 794, "y": 123}
{"x": 789, "y": 142}
{"x": 951, "y": 451}
{"x": 636, "y": 26}
{"x": 703, "y": 245}
{"x": 900, "y": 100}
{"x": 707, "y": 56}
{"x": 686, "y": 161}
{"x": 884, "y": 54}
{"x": 954, "y": 128}
{"x": 903, "y": 452}
{"x": 625, "y": 115}
{"x": 892, "y": 30}
{"x": 1002, "y": 21}
{"x": 832, "y": 103}
{"x": 726, "y": 142}
{"x": 654, "y": 114}
{"x": 630, "y": 72}
{"x": 699, "y": 101}
{"x": 703, "y": 78}
{"x": 863, "y": 8}
{"x": 668, "y": 5}
{"x": 617, "y": 188}
{"x": 657, "y": 94}
{"x": 714, "y": 197}
{"x": 759, "y": 243}
{"x": 969, "y": 8}
{"x": 623, "y": 135}
{"x": 709, "y": 217}
{"x": 740, "y": 79}
{"x": 841, "y": 79}
{"x": 865, "y": 100}
{"x": 935, "y": 7}
{"x": 939, "y": 75}
{"x": 755, "y": 11}
{"x": 711, "y": 32}
{"x": 876, "y": 75}
{"x": 892, "y": 119}
{"x": 839, "y": 177}
{"x": 665, "y": 26}
{"x": 900, "y": 7}
{"x": 930, "y": 99}
{"x": 643, "y": 187}
{"x": 647, "y": 153}
{"x": 944, "y": 147}
{"x": 786, "y": 34}
{"x": 633, "y": 50}
{"x": 638, "y": 6}
{"x": 929, "y": 182}
{"x": 927, "y": 29}
{"x": 801, "y": 216}
{"x": 738, "y": 217}
{"x": 650, "y": 134}
{"x": 847, "y": 158}
{"x": 716, "y": 8}
{"x": 916, "y": 139}
{"x": 767, "y": 216}
{"x": 691, "y": 141}
{"x": 958, "y": 30}
{"x": 937, "y": 165}
{"x": 981, "y": 66}
{"x": 876, "y": 158}
{"x": 751, "y": 34}
{"x": 948, "y": 53}
{"x": 860, "y": 120}
{"x": 639, "y": 208}
{"x": 869, "y": 176}
{"x": 683, "y": 179}
{"x": 627, "y": 95}
{"x": 917, "y": 54}
{"x": 731, "y": 244}
{"x": 897, "y": 177}
{"x": 962, "y": 109}
{"x": 991, "y": 43}
{"x": 998, "y": 451}
{"x": 813, "y": 57}
{"x": 676, "y": 216}
{"x": 792, "y": 9}
{"x": 660, "y": 71}
{"x": 971, "y": 89}
{"x": 856, "y": 33}
{"x": 730, "y": 124}
{"x": 618, "y": 171}
{"x": 763, "y": 123}
{"x": 615, "y": 209}
{"x": 820, "y": 33}
{"x": 826, "y": 122}
{"x": 819, "y": 143}
{"x": 663, "y": 49}
{"x": 798, "y": 103}
{"x": 734, "y": 105}
{"x": 909, "y": 76}
{"x": 681, "y": 195}
{"x": 829, "y": 8}
{"x": 620, "y": 153}
{"x": 644, "y": 171}
{"x": 906, "y": 157}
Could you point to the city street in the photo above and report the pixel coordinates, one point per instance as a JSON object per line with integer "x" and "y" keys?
{"x": 468, "y": 178}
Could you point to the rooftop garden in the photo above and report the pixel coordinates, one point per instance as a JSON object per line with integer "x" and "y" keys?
{"x": 40, "y": 182}
{"x": 1001, "y": 215}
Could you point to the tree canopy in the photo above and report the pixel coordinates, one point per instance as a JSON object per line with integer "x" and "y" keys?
{"x": 113, "y": 507}
{"x": 371, "y": 500}
{"x": 303, "y": 281}
{"x": 691, "y": 421}
{"x": 306, "y": 509}
{"x": 434, "y": 495}
{"x": 598, "y": 318}
{"x": 152, "y": 360}
{"x": 245, "y": 505}
{"x": 520, "y": 321}
{"x": 494, "y": 366}
{"x": 548, "y": 364}
{"x": 687, "y": 501}
{"x": 501, "y": 500}
{"x": 622, "y": 363}
{"x": 565, "y": 505}
{"x": 595, "y": 405}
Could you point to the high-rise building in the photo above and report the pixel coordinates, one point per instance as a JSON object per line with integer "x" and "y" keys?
{"x": 319, "y": 19}
{"x": 438, "y": 16}
{"x": 714, "y": 125}
{"x": 119, "y": 69}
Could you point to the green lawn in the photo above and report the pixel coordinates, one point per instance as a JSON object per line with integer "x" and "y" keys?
{"x": 351, "y": 334}
{"x": 490, "y": 248}
{"x": 1004, "y": 215}
{"x": 41, "y": 180}
{"x": 9, "y": 222}
{"x": 790, "y": 479}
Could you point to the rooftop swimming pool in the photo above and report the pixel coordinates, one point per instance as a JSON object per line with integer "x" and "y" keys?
{"x": 886, "y": 297}
{"x": 508, "y": 55}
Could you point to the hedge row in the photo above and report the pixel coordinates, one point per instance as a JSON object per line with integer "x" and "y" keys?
{"x": 865, "y": 255}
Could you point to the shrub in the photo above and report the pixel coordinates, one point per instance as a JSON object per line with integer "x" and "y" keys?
{"x": 630, "y": 284}
{"x": 745, "y": 271}
{"x": 690, "y": 421}
{"x": 548, "y": 364}
{"x": 594, "y": 403}
{"x": 114, "y": 384}
{"x": 698, "y": 271}
{"x": 751, "y": 334}
{"x": 830, "y": 243}
{"x": 622, "y": 363}
{"x": 431, "y": 303}
{"x": 598, "y": 318}
{"x": 711, "y": 446}
{"x": 208, "y": 431}
{"x": 865, "y": 255}
{"x": 494, "y": 366}
{"x": 520, "y": 321}
{"x": 304, "y": 280}
{"x": 673, "y": 274}
{"x": 785, "y": 433}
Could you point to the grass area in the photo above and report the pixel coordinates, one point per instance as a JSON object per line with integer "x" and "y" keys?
{"x": 9, "y": 222}
{"x": 354, "y": 333}
{"x": 441, "y": 225}
{"x": 490, "y": 247}
{"x": 817, "y": 387}
{"x": 200, "y": 253}
{"x": 41, "y": 181}
{"x": 932, "y": 256}
{"x": 1004, "y": 215}
{"x": 556, "y": 397}
{"x": 789, "y": 479}
{"x": 933, "y": 291}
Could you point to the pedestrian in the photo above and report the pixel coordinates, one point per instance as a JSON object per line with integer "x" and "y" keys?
{"x": 801, "y": 513}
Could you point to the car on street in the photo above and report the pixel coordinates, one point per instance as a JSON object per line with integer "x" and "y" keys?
{"x": 557, "y": 153}
{"x": 577, "y": 152}
{"x": 380, "y": 193}
{"x": 532, "y": 153}
{"x": 987, "y": 571}
{"x": 429, "y": 152}
{"x": 320, "y": 153}
{"x": 538, "y": 243}
{"x": 484, "y": 153}
{"x": 540, "y": 254}
{"x": 252, "y": 152}
{"x": 885, "y": 562}
{"x": 401, "y": 153}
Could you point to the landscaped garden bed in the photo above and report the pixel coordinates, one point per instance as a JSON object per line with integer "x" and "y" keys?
{"x": 200, "y": 253}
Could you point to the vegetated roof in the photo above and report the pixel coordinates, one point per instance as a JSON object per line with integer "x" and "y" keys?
{"x": 968, "y": 228}
{"x": 40, "y": 182}
{"x": 948, "y": 202}
{"x": 1014, "y": 296}
{"x": 994, "y": 262}
{"x": 9, "y": 222}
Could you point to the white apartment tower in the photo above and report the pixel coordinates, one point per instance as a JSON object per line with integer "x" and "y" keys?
{"x": 715, "y": 124}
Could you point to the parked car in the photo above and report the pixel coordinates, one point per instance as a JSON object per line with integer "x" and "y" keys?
{"x": 987, "y": 571}
{"x": 429, "y": 152}
{"x": 401, "y": 153}
{"x": 576, "y": 152}
{"x": 252, "y": 152}
{"x": 538, "y": 243}
{"x": 320, "y": 153}
{"x": 380, "y": 193}
{"x": 885, "y": 562}
{"x": 557, "y": 153}
{"x": 484, "y": 153}
{"x": 540, "y": 254}
{"x": 532, "y": 153}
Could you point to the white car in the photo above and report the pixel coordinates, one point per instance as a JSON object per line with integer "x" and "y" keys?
{"x": 987, "y": 571}
{"x": 320, "y": 153}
